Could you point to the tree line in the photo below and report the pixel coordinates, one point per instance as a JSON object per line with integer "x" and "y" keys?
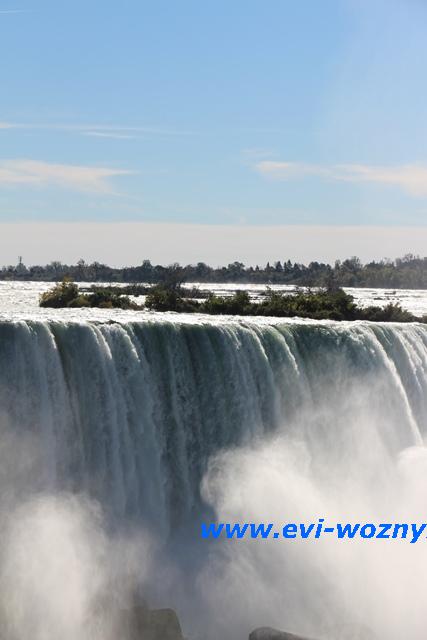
{"x": 408, "y": 272}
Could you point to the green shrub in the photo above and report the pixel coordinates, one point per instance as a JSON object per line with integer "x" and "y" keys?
{"x": 60, "y": 296}
{"x": 239, "y": 304}
{"x": 323, "y": 304}
{"x": 66, "y": 294}
{"x": 81, "y": 301}
{"x": 169, "y": 298}
{"x": 391, "y": 313}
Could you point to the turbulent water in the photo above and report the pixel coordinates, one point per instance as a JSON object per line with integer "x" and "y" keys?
{"x": 165, "y": 420}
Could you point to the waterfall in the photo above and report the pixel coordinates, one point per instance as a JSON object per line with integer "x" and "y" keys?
{"x": 118, "y": 438}
{"x": 132, "y": 412}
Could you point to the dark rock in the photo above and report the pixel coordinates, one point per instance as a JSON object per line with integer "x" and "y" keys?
{"x": 338, "y": 632}
{"x": 267, "y": 633}
{"x": 141, "y": 623}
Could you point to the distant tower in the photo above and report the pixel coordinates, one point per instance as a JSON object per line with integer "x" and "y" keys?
{"x": 20, "y": 268}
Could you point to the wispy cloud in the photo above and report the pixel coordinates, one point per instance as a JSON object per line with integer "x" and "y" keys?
{"x": 11, "y": 11}
{"x": 107, "y": 134}
{"x": 410, "y": 178}
{"x": 43, "y": 174}
{"x": 163, "y": 131}
{"x": 101, "y": 130}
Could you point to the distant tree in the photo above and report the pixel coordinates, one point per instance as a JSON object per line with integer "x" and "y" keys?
{"x": 407, "y": 272}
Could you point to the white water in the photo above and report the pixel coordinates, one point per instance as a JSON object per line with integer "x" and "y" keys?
{"x": 163, "y": 420}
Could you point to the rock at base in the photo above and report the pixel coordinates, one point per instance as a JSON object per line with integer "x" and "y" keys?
{"x": 339, "y": 632}
{"x": 141, "y": 623}
{"x": 267, "y": 633}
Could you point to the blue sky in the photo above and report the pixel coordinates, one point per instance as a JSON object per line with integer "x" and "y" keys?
{"x": 273, "y": 112}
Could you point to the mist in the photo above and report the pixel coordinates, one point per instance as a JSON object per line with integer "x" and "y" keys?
{"x": 65, "y": 571}
{"x": 103, "y": 493}
{"x": 325, "y": 588}
{"x": 346, "y": 460}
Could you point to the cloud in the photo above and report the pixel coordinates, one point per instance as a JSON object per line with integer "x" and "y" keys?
{"x": 105, "y": 134}
{"x": 101, "y": 130}
{"x": 164, "y": 131}
{"x": 410, "y": 178}
{"x": 75, "y": 177}
{"x": 10, "y": 11}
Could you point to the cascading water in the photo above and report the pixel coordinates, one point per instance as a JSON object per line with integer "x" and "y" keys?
{"x": 164, "y": 421}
